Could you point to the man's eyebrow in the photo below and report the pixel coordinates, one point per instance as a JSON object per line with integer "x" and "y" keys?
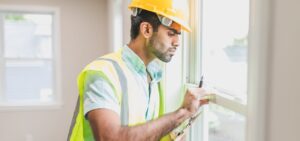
{"x": 174, "y": 30}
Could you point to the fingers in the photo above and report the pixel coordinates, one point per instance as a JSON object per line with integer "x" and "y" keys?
{"x": 194, "y": 99}
{"x": 203, "y": 101}
{"x": 198, "y": 93}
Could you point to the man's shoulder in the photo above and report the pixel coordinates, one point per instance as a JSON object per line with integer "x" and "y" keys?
{"x": 104, "y": 62}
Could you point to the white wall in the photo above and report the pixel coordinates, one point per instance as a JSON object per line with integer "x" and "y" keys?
{"x": 283, "y": 115}
{"x": 83, "y": 26}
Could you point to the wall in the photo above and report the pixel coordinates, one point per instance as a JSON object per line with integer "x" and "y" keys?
{"x": 283, "y": 106}
{"x": 83, "y": 37}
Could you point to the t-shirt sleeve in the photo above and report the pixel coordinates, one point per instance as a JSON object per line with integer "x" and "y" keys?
{"x": 98, "y": 93}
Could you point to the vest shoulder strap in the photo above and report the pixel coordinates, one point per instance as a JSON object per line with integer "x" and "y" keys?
{"x": 103, "y": 64}
{"x": 124, "y": 89}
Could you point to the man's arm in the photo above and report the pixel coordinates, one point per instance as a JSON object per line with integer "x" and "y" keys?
{"x": 106, "y": 124}
{"x": 107, "y": 127}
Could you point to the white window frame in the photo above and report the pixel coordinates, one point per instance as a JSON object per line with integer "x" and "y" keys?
{"x": 115, "y": 23}
{"x": 257, "y": 88}
{"x": 195, "y": 60}
{"x": 57, "y": 102}
{"x": 258, "y": 69}
{"x": 200, "y": 129}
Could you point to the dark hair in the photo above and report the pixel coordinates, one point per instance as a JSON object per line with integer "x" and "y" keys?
{"x": 143, "y": 16}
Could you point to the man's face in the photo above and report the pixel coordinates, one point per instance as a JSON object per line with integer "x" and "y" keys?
{"x": 164, "y": 42}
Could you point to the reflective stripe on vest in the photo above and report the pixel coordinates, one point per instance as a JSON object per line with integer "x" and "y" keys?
{"x": 123, "y": 83}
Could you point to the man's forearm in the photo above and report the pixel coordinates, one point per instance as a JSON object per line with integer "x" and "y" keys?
{"x": 155, "y": 129}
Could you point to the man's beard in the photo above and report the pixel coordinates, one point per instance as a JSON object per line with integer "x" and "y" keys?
{"x": 163, "y": 56}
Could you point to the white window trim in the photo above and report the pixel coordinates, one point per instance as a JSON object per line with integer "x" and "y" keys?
{"x": 195, "y": 60}
{"x": 1, "y": 57}
{"x": 57, "y": 103}
{"x": 194, "y": 57}
{"x": 194, "y": 73}
{"x": 258, "y": 68}
{"x": 115, "y": 21}
{"x": 258, "y": 58}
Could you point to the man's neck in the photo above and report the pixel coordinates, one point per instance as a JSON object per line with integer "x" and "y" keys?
{"x": 139, "y": 48}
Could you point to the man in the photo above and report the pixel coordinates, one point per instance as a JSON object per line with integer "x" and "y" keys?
{"x": 121, "y": 97}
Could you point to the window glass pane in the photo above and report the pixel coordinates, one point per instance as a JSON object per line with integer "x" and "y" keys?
{"x": 224, "y": 42}
{"x": 225, "y": 125}
{"x": 28, "y": 81}
{"x": 27, "y": 35}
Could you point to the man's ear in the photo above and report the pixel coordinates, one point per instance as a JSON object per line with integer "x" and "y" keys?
{"x": 146, "y": 29}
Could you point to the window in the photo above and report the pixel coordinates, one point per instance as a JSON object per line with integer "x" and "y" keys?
{"x": 28, "y": 57}
{"x": 224, "y": 45}
{"x": 218, "y": 51}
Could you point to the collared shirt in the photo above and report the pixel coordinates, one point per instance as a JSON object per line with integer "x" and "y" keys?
{"x": 98, "y": 93}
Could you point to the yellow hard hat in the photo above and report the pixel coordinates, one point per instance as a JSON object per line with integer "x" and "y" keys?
{"x": 175, "y": 10}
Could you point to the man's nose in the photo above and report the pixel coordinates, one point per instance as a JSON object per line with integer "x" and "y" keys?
{"x": 175, "y": 41}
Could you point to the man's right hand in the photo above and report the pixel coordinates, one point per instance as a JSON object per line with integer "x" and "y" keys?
{"x": 193, "y": 100}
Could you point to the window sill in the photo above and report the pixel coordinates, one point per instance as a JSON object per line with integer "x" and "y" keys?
{"x": 26, "y": 106}
{"x": 225, "y": 100}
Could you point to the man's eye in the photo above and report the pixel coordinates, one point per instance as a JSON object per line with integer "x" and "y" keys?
{"x": 171, "y": 33}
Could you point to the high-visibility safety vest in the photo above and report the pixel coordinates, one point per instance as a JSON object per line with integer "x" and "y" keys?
{"x": 112, "y": 68}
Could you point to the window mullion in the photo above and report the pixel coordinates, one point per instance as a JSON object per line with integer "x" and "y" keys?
{"x": 200, "y": 129}
{"x": 195, "y": 49}
{"x": 57, "y": 55}
{"x": 28, "y": 59}
{"x": 205, "y": 125}
{"x": 2, "y": 90}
